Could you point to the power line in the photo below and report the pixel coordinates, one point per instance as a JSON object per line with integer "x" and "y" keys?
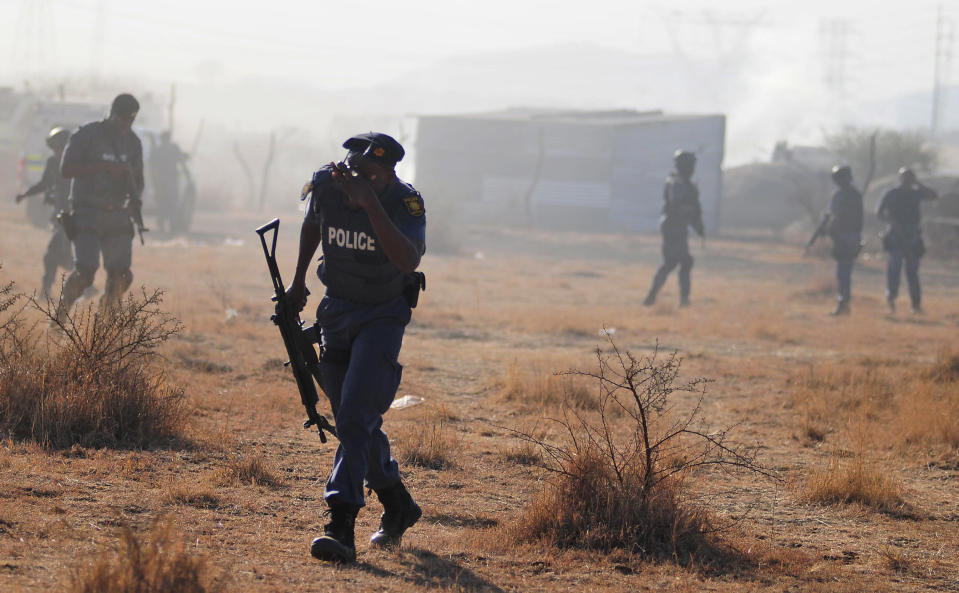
{"x": 945, "y": 29}
{"x": 834, "y": 38}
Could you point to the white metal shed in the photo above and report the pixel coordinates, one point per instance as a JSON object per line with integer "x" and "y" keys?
{"x": 586, "y": 170}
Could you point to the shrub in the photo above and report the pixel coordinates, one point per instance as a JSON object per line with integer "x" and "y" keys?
{"x": 161, "y": 565}
{"x": 893, "y": 149}
{"x": 911, "y": 407}
{"x": 946, "y": 367}
{"x": 94, "y": 382}
{"x": 620, "y": 477}
{"x": 854, "y": 481}
{"x": 430, "y": 443}
{"x": 252, "y": 468}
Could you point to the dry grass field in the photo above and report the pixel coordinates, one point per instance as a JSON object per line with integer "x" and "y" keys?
{"x": 855, "y": 418}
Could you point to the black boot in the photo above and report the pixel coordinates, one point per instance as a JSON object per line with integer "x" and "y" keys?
{"x": 336, "y": 543}
{"x": 842, "y": 308}
{"x": 400, "y": 512}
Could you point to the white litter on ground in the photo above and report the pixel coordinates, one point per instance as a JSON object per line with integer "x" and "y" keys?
{"x": 406, "y": 401}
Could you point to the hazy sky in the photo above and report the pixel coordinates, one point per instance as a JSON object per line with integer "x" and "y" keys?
{"x": 346, "y": 43}
{"x": 781, "y": 49}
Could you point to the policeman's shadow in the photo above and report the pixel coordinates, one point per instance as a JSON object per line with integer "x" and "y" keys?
{"x": 432, "y": 571}
{"x": 913, "y": 320}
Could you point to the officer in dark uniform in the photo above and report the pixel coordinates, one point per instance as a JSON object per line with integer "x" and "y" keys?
{"x": 55, "y": 190}
{"x": 845, "y": 228}
{"x": 166, "y": 159}
{"x": 903, "y": 240}
{"x": 104, "y": 160}
{"x": 371, "y": 226}
{"x": 681, "y": 209}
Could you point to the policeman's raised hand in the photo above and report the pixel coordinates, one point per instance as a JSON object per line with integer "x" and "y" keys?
{"x": 296, "y": 295}
{"x": 19, "y": 198}
{"x": 357, "y": 189}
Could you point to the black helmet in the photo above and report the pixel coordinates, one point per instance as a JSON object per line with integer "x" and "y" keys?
{"x": 841, "y": 172}
{"x": 57, "y": 138}
{"x": 684, "y": 156}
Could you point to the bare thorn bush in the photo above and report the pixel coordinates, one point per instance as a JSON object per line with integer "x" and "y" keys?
{"x": 161, "y": 563}
{"x": 95, "y": 381}
{"x": 620, "y": 476}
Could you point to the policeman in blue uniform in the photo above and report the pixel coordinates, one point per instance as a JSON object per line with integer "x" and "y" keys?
{"x": 681, "y": 209}
{"x": 54, "y": 189}
{"x": 845, "y": 228}
{"x": 902, "y": 239}
{"x": 104, "y": 161}
{"x": 371, "y": 226}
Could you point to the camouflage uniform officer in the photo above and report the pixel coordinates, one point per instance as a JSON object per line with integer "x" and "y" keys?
{"x": 903, "y": 240}
{"x": 104, "y": 159}
{"x": 371, "y": 226}
{"x": 845, "y": 228}
{"x": 681, "y": 209}
{"x": 55, "y": 190}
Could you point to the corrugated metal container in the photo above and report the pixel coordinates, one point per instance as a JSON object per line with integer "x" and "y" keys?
{"x": 586, "y": 170}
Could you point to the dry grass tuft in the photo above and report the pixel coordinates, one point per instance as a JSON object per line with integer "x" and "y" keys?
{"x": 946, "y": 367}
{"x": 537, "y": 385}
{"x": 911, "y": 409}
{"x": 96, "y": 383}
{"x": 197, "y": 495}
{"x": 430, "y": 442}
{"x": 162, "y": 564}
{"x": 525, "y": 453}
{"x": 251, "y": 468}
{"x": 854, "y": 481}
{"x": 895, "y": 559}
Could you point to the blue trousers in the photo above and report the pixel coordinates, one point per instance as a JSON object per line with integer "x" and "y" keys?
{"x": 109, "y": 233}
{"x": 894, "y": 261}
{"x": 360, "y": 376}
{"x": 844, "y": 279}
{"x": 675, "y": 253}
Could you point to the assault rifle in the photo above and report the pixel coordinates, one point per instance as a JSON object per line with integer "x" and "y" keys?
{"x": 136, "y": 215}
{"x": 819, "y": 232}
{"x": 298, "y": 341}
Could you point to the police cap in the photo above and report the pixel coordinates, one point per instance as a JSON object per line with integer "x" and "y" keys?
{"x": 57, "y": 138}
{"x": 376, "y": 146}
{"x": 684, "y": 156}
{"x": 841, "y": 172}
{"x": 907, "y": 172}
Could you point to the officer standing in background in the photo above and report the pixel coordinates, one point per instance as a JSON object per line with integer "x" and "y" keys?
{"x": 371, "y": 226}
{"x": 903, "y": 239}
{"x": 845, "y": 228}
{"x": 55, "y": 190}
{"x": 104, "y": 159}
{"x": 166, "y": 159}
{"x": 681, "y": 209}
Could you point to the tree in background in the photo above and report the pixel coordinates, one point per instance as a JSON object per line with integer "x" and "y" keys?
{"x": 894, "y": 149}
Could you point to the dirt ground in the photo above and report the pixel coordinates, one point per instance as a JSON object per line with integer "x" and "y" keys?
{"x": 503, "y": 300}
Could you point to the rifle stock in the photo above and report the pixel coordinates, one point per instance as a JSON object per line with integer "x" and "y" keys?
{"x": 299, "y": 346}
